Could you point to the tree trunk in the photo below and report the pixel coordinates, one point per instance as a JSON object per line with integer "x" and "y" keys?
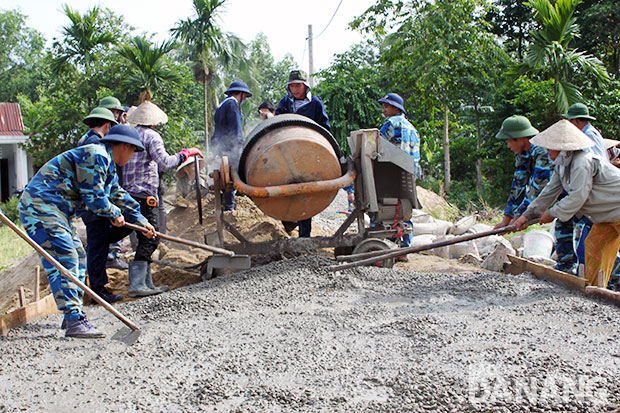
{"x": 446, "y": 151}
{"x": 478, "y": 146}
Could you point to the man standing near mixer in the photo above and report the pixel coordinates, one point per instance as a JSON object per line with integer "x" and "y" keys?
{"x": 398, "y": 130}
{"x": 227, "y": 139}
{"x": 300, "y": 100}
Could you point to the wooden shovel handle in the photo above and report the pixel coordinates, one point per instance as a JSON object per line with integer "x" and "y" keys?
{"x": 183, "y": 241}
{"x": 67, "y": 273}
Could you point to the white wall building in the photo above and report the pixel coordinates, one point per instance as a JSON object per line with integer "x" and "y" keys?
{"x": 15, "y": 167}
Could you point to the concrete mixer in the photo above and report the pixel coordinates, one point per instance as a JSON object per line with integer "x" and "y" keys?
{"x": 292, "y": 169}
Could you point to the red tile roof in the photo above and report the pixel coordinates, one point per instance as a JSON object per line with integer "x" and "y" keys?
{"x": 11, "y": 123}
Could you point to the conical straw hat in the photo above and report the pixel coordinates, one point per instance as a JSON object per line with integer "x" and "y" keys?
{"x": 147, "y": 114}
{"x": 610, "y": 143}
{"x": 562, "y": 136}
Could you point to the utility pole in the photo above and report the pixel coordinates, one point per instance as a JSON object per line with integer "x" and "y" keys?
{"x": 310, "y": 62}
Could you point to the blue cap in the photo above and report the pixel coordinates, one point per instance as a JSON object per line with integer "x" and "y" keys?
{"x": 126, "y": 108}
{"x": 124, "y": 134}
{"x": 394, "y": 100}
{"x": 238, "y": 86}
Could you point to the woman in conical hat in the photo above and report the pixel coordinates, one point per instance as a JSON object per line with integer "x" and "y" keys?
{"x": 592, "y": 185}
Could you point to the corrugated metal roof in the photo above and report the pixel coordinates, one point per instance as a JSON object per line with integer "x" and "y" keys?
{"x": 11, "y": 123}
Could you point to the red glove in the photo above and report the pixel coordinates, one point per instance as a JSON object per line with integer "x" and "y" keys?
{"x": 189, "y": 152}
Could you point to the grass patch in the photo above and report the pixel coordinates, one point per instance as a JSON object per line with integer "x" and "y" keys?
{"x": 13, "y": 247}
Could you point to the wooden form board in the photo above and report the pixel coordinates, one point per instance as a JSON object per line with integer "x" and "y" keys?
{"x": 30, "y": 312}
{"x": 520, "y": 265}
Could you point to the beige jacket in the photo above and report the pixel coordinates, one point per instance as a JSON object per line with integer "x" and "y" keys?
{"x": 593, "y": 188}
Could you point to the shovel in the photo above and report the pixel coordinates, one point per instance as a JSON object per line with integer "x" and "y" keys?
{"x": 127, "y": 337}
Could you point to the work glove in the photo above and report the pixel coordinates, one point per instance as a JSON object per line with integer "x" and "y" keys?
{"x": 188, "y": 152}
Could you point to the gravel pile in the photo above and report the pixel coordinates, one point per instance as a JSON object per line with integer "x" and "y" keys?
{"x": 290, "y": 336}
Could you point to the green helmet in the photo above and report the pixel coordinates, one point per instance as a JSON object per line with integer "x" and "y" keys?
{"x": 516, "y": 127}
{"x": 100, "y": 113}
{"x": 110, "y": 102}
{"x": 578, "y": 111}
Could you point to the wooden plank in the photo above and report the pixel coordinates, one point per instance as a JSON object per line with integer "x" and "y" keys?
{"x": 548, "y": 274}
{"x": 28, "y": 313}
{"x": 604, "y": 293}
{"x": 22, "y": 296}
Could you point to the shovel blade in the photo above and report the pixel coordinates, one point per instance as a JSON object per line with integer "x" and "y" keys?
{"x": 127, "y": 335}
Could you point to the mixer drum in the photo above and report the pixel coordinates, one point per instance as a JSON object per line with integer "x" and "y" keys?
{"x": 290, "y": 149}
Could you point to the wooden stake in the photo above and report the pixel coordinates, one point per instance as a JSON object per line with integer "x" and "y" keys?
{"x": 22, "y": 296}
{"x": 37, "y": 280}
{"x": 601, "y": 279}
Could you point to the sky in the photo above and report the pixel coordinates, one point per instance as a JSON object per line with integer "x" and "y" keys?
{"x": 284, "y": 22}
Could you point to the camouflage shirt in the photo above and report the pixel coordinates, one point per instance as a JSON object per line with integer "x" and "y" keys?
{"x": 532, "y": 172}
{"x": 81, "y": 178}
{"x": 398, "y": 130}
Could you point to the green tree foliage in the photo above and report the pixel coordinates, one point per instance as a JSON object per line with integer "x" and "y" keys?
{"x": 21, "y": 50}
{"x": 512, "y": 20}
{"x": 209, "y": 49}
{"x": 551, "y": 56}
{"x": 600, "y": 34}
{"x": 149, "y": 65}
{"x": 83, "y": 40}
{"x": 350, "y": 90}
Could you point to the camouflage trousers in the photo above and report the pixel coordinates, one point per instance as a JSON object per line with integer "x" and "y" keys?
{"x": 565, "y": 246}
{"x": 52, "y": 230}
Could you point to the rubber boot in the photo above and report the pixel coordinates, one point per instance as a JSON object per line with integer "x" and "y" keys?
{"x": 149, "y": 282}
{"x": 138, "y": 271}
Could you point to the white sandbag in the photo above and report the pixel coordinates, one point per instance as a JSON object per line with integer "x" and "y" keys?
{"x": 436, "y": 228}
{"x": 496, "y": 259}
{"x": 478, "y": 228}
{"x": 424, "y": 239}
{"x": 463, "y": 225}
{"x": 517, "y": 241}
{"x": 486, "y": 245}
{"x": 420, "y": 217}
{"x": 463, "y": 248}
{"x": 443, "y": 252}
{"x": 538, "y": 259}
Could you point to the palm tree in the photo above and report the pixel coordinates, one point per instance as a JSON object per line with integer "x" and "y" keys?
{"x": 148, "y": 65}
{"x": 550, "y": 54}
{"x": 209, "y": 49}
{"x": 83, "y": 40}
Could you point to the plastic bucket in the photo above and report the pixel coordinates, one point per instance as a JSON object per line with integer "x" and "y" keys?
{"x": 537, "y": 243}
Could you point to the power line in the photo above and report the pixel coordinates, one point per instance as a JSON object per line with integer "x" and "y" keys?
{"x": 303, "y": 54}
{"x": 330, "y": 21}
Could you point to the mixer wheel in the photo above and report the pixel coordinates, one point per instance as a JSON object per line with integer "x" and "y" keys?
{"x": 376, "y": 244}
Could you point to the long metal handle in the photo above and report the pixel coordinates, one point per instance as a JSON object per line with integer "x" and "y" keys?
{"x": 67, "y": 273}
{"x": 376, "y": 256}
{"x": 198, "y": 194}
{"x": 293, "y": 189}
{"x": 183, "y": 241}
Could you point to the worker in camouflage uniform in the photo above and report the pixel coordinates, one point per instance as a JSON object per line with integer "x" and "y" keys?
{"x": 533, "y": 170}
{"x": 569, "y": 232}
{"x": 99, "y": 232}
{"x": 532, "y": 166}
{"x": 399, "y": 131}
{"x": 83, "y": 177}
